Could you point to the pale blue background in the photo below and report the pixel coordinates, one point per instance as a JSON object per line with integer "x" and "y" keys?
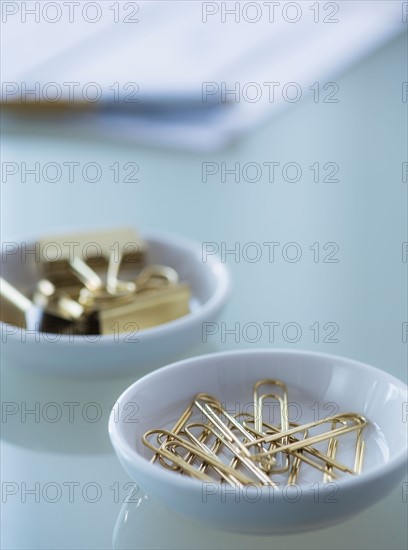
{"x": 364, "y": 293}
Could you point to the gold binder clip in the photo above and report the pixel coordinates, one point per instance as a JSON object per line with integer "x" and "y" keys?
{"x": 94, "y": 248}
{"x": 153, "y": 298}
{"x": 82, "y": 282}
{"x": 148, "y": 310}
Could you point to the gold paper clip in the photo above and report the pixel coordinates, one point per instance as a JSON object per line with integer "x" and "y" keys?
{"x": 238, "y": 449}
{"x": 350, "y": 422}
{"x": 259, "y": 399}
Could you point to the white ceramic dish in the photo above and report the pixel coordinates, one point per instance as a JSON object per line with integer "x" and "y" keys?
{"x": 313, "y": 380}
{"x": 120, "y": 354}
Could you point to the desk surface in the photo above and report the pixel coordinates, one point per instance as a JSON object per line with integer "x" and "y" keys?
{"x": 356, "y": 305}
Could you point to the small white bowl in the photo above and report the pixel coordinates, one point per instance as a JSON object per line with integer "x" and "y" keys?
{"x": 313, "y": 381}
{"x": 111, "y": 354}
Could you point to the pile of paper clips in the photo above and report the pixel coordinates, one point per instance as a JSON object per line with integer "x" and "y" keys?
{"x": 210, "y": 444}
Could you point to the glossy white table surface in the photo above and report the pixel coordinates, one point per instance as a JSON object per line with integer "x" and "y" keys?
{"x": 363, "y": 296}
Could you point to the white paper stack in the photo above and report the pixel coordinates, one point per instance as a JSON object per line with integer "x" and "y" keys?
{"x": 190, "y": 74}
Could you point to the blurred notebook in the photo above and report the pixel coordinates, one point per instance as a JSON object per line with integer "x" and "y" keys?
{"x": 202, "y": 73}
